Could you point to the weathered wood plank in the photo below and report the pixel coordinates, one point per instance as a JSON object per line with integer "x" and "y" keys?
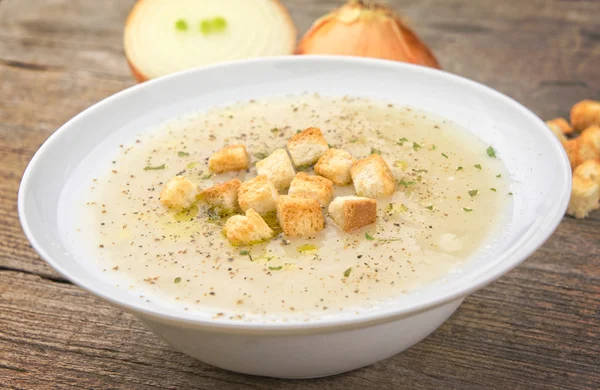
{"x": 496, "y": 340}
{"x": 537, "y": 327}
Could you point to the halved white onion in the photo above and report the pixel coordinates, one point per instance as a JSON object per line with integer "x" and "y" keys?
{"x": 155, "y": 47}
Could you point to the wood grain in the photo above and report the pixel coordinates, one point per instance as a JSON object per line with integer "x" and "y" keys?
{"x": 536, "y": 327}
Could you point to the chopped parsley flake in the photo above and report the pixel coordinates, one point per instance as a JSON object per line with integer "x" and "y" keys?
{"x": 274, "y": 130}
{"x": 473, "y": 192}
{"x": 206, "y": 177}
{"x": 182, "y": 154}
{"x": 430, "y": 207}
{"x": 445, "y": 155}
{"x": 149, "y": 168}
{"x": 420, "y": 170}
{"x": 467, "y": 209}
{"x": 375, "y": 151}
{"x": 177, "y": 280}
{"x": 499, "y": 175}
{"x": 402, "y": 140}
{"x": 433, "y": 147}
{"x": 493, "y": 189}
{"x": 278, "y": 268}
{"x": 416, "y": 146}
{"x": 347, "y": 272}
{"x": 191, "y": 165}
{"x": 491, "y": 152}
{"x": 510, "y": 193}
{"x": 478, "y": 166}
{"x": 181, "y": 25}
{"x": 244, "y": 253}
{"x": 369, "y": 237}
{"x": 260, "y": 156}
{"x": 401, "y": 164}
{"x": 307, "y": 248}
{"x": 459, "y": 168}
{"x": 406, "y": 183}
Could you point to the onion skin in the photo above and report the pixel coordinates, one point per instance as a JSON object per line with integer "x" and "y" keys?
{"x": 364, "y": 30}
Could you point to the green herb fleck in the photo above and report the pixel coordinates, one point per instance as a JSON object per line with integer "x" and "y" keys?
{"x": 433, "y": 147}
{"x": 298, "y": 131}
{"x": 473, "y": 192}
{"x": 369, "y": 237}
{"x": 406, "y": 183}
{"x": 347, "y": 272}
{"x": 445, "y": 155}
{"x": 205, "y": 27}
{"x": 491, "y": 152}
{"x": 274, "y": 130}
{"x": 420, "y": 170}
{"x": 467, "y": 210}
{"x": 416, "y": 146}
{"x": 177, "y": 280}
{"x": 478, "y": 166}
{"x": 278, "y": 268}
{"x": 493, "y": 189}
{"x": 375, "y": 151}
{"x": 260, "y": 156}
{"x": 149, "y": 168}
{"x": 244, "y": 253}
{"x": 219, "y": 23}
{"x": 401, "y": 164}
{"x": 353, "y": 141}
{"x": 182, "y": 154}
{"x": 459, "y": 168}
{"x": 393, "y": 208}
{"x": 181, "y": 25}
{"x": 307, "y": 248}
{"x": 191, "y": 165}
{"x": 510, "y": 193}
{"x": 402, "y": 140}
{"x": 430, "y": 207}
{"x": 206, "y": 177}
{"x": 499, "y": 175}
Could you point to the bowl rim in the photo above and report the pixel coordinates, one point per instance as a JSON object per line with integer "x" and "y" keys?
{"x": 379, "y": 316}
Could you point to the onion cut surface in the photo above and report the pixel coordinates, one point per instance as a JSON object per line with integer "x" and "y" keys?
{"x": 165, "y": 36}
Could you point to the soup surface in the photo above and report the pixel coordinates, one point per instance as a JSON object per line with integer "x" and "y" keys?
{"x": 451, "y": 194}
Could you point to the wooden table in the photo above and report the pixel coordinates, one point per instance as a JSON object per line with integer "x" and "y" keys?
{"x": 537, "y": 327}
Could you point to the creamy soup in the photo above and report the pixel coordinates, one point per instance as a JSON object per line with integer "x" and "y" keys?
{"x": 452, "y": 191}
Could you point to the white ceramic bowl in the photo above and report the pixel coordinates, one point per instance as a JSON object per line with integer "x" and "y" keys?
{"x": 534, "y": 157}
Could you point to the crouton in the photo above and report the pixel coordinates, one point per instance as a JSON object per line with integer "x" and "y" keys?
{"x": 585, "y": 193}
{"x": 298, "y": 216}
{"x": 307, "y": 146}
{"x": 556, "y": 126}
{"x": 305, "y": 185}
{"x": 247, "y": 229}
{"x": 277, "y": 167}
{"x": 353, "y": 212}
{"x": 230, "y": 158}
{"x": 585, "y": 196}
{"x": 584, "y": 114}
{"x": 372, "y": 177}
{"x": 259, "y": 194}
{"x": 224, "y": 196}
{"x": 179, "y": 193}
{"x": 583, "y": 148}
{"x": 335, "y": 165}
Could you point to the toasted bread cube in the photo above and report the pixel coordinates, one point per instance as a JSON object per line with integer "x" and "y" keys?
{"x": 353, "y": 212}
{"x": 585, "y": 197}
{"x": 259, "y": 194}
{"x": 247, "y": 229}
{"x": 299, "y": 217}
{"x": 277, "y": 167}
{"x": 312, "y": 186}
{"x": 372, "y": 177}
{"x": 307, "y": 146}
{"x": 230, "y": 158}
{"x": 224, "y": 195}
{"x": 179, "y": 193}
{"x": 584, "y": 114}
{"x": 335, "y": 165}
